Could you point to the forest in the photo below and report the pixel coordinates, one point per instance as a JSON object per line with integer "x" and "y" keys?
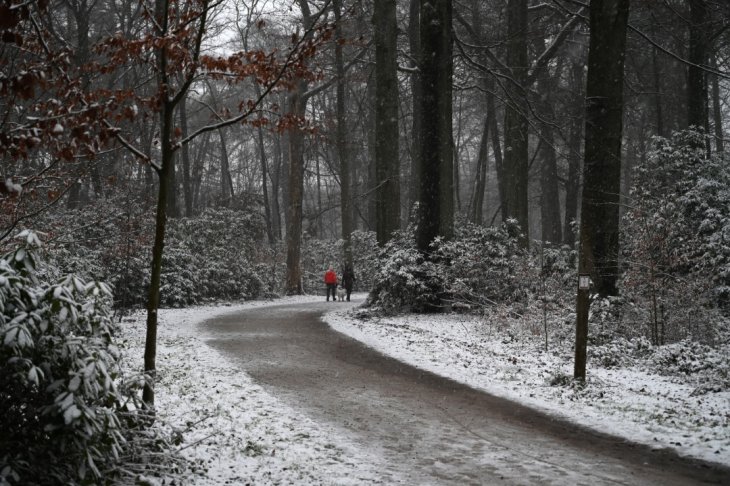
{"x": 472, "y": 157}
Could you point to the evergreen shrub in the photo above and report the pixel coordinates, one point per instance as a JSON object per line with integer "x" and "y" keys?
{"x": 60, "y": 408}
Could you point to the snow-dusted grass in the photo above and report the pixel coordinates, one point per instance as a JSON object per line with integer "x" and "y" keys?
{"x": 235, "y": 432}
{"x": 633, "y": 402}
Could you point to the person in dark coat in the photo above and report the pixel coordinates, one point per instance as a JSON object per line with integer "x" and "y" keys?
{"x": 348, "y": 280}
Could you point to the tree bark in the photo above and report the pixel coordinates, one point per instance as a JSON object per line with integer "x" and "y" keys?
{"x": 698, "y": 49}
{"x": 414, "y": 42}
{"x": 717, "y": 109}
{"x": 515, "y": 119}
{"x": 341, "y": 139}
{"x": 387, "y": 166}
{"x": 599, "y": 236}
{"x": 436, "y": 214}
{"x": 187, "y": 183}
{"x": 480, "y": 180}
{"x": 297, "y": 107}
{"x": 575, "y": 142}
{"x": 226, "y": 179}
{"x": 297, "y": 104}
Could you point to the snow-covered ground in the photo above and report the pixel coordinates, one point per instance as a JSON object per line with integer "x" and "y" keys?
{"x": 237, "y": 433}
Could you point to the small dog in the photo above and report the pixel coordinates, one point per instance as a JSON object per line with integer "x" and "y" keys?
{"x": 341, "y": 293}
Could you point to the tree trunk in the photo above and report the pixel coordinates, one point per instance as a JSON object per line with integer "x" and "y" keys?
{"x": 436, "y": 214}
{"x": 497, "y": 150}
{"x": 698, "y": 49}
{"x": 341, "y": 140}
{"x": 657, "y": 87}
{"x": 275, "y": 184}
{"x": 599, "y": 242}
{"x": 552, "y": 228}
{"x": 172, "y": 209}
{"x": 414, "y": 42}
{"x": 226, "y": 179}
{"x": 480, "y": 180}
{"x": 387, "y": 166}
{"x": 575, "y": 142}
{"x": 187, "y": 183}
{"x": 515, "y": 119}
{"x": 717, "y": 109}
{"x": 297, "y": 106}
{"x": 153, "y": 295}
{"x": 265, "y": 184}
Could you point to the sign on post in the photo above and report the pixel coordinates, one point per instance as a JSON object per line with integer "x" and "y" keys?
{"x": 584, "y": 281}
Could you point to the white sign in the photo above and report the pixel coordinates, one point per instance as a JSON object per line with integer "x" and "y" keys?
{"x": 584, "y": 281}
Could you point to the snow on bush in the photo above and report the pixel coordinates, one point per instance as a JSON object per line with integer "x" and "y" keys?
{"x": 675, "y": 242}
{"x": 59, "y": 401}
{"x": 214, "y": 256}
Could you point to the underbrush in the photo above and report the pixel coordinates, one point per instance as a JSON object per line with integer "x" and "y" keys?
{"x": 67, "y": 416}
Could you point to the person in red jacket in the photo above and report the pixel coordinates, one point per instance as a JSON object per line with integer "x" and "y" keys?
{"x": 330, "y": 279}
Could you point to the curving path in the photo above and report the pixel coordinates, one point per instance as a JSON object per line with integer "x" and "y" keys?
{"x": 431, "y": 430}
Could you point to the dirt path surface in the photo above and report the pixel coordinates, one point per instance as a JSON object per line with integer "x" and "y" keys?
{"x": 428, "y": 429}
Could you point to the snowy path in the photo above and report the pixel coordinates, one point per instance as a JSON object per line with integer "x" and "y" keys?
{"x": 426, "y": 429}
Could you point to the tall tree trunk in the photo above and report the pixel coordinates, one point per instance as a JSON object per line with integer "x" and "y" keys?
{"x": 515, "y": 119}
{"x": 698, "y": 49}
{"x": 265, "y": 183}
{"x": 187, "y": 183}
{"x": 575, "y": 142}
{"x": 297, "y": 106}
{"x": 372, "y": 179}
{"x": 387, "y": 166}
{"x": 275, "y": 185}
{"x": 599, "y": 241}
{"x": 172, "y": 208}
{"x": 552, "y": 229}
{"x": 297, "y": 103}
{"x": 341, "y": 140}
{"x": 657, "y": 72}
{"x": 497, "y": 150}
{"x": 480, "y": 181}
{"x": 716, "y": 108}
{"x": 226, "y": 179}
{"x": 414, "y": 42}
{"x": 436, "y": 214}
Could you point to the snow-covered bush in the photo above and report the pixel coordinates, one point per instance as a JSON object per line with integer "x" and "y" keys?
{"x": 675, "y": 236}
{"x": 484, "y": 265}
{"x": 212, "y": 256}
{"x": 481, "y": 266}
{"x": 620, "y": 352}
{"x": 364, "y": 258}
{"x": 405, "y": 280}
{"x": 59, "y": 402}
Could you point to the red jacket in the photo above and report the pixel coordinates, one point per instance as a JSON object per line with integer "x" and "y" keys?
{"x": 330, "y": 277}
